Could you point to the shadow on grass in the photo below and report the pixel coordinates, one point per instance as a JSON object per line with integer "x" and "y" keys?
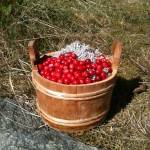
{"x": 122, "y": 95}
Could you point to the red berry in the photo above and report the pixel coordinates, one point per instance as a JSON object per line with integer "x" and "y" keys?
{"x": 98, "y": 61}
{"x": 81, "y": 81}
{"x": 60, "y": 67}
{"x": 71, "y": 70}
{"x": 60, "y": 81}
{"x": 58, "y": 60}
{"x": 103, "y": 59}
{"x": 103, "y": 75}
{"x": 49, "y": 60}
{"x": 84, "y": 74}
{"x": 51, "y": 69}
{"x": 93, "y": 79}
{"x": 62, "y": 56}
{"x": 98, "y": 72}
{"x": 66, "y": 63}
{"x": 81, "y": 63}
{"x": 88, "y": 61}
{"x": 51, "y": 65}
{"x": 91, "y": 72}
{"x": 57, "y": 75}
{"x": 58, "y": 70}
{"x": 110, "y": 70}
{"x": 105, "y": 64}
{"x": 46, "y": 63}
{"x": 75, "y": 62}
{"x": 97, "y": 78}
{"x": 77, "y": 74}
{"x": 65, "y": 71}
{"x": 88, "y": 80}
{"x": 99, "y": 67}
{"x": 71, "y": 66}
{"x": 69, "y": 60}
{"x": 69, "y": 75}
{"x": 46, "y": 73}
{"x": 66, "y": 80}
{"x": 83, "y": 68}
{"x": 72, "y": 78}
{"x": 63, "y": 62}
{"x": 48, "y": 77}
{"x": 57, "y": 64}
{"x": 63, "y": 76}
{"x": 65, "y": 67}
{"x": 88, "y": 66}
{"x": 94, "y": 65}
{"x": 52, "y": 74}
{"x": 42, "y": 72}
{"x": 40, "y": 66}
{"x": 74, "y": 82}
{"x": 46, "y": 68}
{"x": 54, "y": 79}
{"x": 109, "y": 63}
{"x": 53, "y": 59}
{"x": 73, "y": 55}
{"x": 79, "y": 68}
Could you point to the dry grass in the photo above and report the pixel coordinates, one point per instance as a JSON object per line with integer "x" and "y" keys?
{"x": 96, "y": 22}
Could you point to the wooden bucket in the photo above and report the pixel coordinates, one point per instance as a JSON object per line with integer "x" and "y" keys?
{"x": 73, "y": 108}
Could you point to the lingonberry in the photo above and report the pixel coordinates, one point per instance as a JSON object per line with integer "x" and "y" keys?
{"x": 103, "y": 76}
{"x": 68, "y": 69}
{"x": 88, "y": 80}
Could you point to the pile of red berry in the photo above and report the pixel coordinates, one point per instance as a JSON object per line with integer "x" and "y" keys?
{"x": 67, "y": 69}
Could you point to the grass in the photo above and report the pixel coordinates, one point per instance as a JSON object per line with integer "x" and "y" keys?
{"x": 98, "y": 23}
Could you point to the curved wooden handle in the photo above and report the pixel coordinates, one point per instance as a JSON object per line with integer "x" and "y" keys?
{"x": 33, "y": 53}
{"x": 116, "y": 49}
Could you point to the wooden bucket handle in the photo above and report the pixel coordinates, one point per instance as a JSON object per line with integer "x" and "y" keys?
{"x": 116, "y": 50}
{"x": 33, "y": 53}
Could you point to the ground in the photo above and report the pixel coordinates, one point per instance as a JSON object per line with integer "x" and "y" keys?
{"x": 98, "y": 23}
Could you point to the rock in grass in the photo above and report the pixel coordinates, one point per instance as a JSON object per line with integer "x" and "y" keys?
{"x": 19, "y": 130}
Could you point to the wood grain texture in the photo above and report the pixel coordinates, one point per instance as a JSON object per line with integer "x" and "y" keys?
{"x": 72, "y": 108}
